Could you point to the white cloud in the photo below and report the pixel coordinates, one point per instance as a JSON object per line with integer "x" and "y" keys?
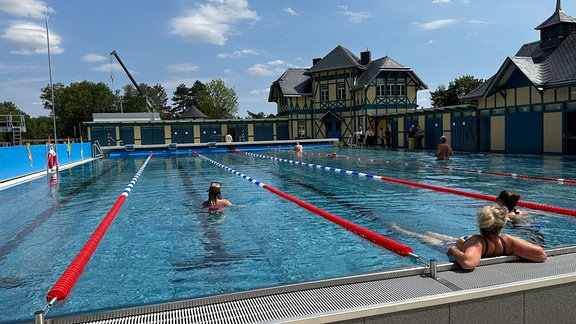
{"x": 184, "y": 67}
{"x": 212, "y": 22}
{"x": 441, "y": 1}
{"x": 477, "y": 22}
{"x": 437, "y": 24}
{"x": 31, "y": 39}
{"x": 93, "y": 58}
{"x": 355, "y": 16}
{"x": 115, "y": 67}
{"x": 272, "y": 68}
{"x": 258, "y": 92}
{"x": 237, "y": 54}
{"x": 25, "y": 8}
{"x": 291, "y": 11}
{"x": 277, "y": 62}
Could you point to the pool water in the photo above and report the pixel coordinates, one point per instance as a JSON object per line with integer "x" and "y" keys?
{"x": 162, "y": 246}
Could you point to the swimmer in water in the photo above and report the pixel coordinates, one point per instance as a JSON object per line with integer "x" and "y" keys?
{"x": 215, "y": 197}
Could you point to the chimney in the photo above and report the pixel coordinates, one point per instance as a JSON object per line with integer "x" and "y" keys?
{"x": 365, "y": 57}
{"x": 316, "y": 60}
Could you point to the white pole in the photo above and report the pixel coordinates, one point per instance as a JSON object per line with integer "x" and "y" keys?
{"x": 51, "y": 86}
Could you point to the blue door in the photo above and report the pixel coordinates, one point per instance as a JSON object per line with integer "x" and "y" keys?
{"x": 333, "y": 128}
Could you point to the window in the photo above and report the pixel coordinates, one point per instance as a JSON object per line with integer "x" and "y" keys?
{"x": 390, "y": 90}
{"x": 400, "y": 90}
{"x": 324, "y": 93}
{"x": 380, "y": 90}
{"x": 341, "y": 91}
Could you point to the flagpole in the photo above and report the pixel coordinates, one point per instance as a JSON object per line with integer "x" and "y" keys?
{"x": 51, "y": 86}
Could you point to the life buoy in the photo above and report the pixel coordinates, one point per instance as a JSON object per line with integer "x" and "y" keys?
{"x": 52, "y": 160}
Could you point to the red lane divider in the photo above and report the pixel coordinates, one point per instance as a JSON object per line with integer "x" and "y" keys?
{"x": 512, "y": 175}
{"x": 378, "y": 239}
{"x": 553, "y": 209}
{"x": 63, "y": 286}
{"x": 373, "y": 237}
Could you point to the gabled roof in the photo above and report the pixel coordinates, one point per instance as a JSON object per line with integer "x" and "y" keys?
{"x": 339, "y": 57}
{"x": 291, "y": 83}
{"x": 331, "y": 114}
{"x": 191, "y": 112}
{"x": 545, "y": 68}
{"x": 383, "y": 64}
{"x": 298, "y": 81}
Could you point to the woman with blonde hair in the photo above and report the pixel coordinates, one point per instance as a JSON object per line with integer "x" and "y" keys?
{"x": 489, "y": 243}
{"x": 468, "y": 250}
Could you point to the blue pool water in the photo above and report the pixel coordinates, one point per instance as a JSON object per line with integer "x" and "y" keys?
{"x": 162, "y": 246}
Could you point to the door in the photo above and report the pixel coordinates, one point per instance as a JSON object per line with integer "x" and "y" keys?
{"x": 333, "y": 128}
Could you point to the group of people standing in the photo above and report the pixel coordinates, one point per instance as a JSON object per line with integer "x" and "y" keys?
{"x": 415, "y": 137}
{"x": 369, "y": 138}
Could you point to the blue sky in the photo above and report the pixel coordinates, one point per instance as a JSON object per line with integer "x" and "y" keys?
{"x": 248, "y": 44}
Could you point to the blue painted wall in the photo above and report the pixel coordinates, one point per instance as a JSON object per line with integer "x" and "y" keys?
{"x": 14, "y": 161}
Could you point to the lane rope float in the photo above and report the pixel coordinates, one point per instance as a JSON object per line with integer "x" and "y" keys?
{"x": 512, "y": 175}
{"x": 63, "y": 286}
{"x": 373, "y": 237}
{"x": 535, "y": 206}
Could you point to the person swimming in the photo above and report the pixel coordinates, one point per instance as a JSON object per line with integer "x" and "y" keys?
{"x": 298, "y": 148}
{"x": 215, "y": 201}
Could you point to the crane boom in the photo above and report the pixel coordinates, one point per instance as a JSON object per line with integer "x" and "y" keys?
{"x": 149, "y": 105}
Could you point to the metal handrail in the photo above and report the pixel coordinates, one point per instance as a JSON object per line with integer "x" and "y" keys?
{"x": 97, "y": 152}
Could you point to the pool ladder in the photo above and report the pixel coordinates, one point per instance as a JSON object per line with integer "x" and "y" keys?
{"x": 97, "y": 152}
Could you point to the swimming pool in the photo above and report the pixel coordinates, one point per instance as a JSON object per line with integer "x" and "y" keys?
{"x": 163, "y": 247}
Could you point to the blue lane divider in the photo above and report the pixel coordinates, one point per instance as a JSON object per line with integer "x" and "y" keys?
{"x": 531, "y": 205}
{"x": 371, "y": 236}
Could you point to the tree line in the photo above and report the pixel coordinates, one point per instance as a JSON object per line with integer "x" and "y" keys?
{"x": 75, "y": 103}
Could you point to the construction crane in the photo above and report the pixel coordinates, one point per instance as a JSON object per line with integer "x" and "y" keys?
{"x": 149, "y": 105}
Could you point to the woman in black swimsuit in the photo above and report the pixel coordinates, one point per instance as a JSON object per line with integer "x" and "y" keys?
{"x": 489, "y": 243}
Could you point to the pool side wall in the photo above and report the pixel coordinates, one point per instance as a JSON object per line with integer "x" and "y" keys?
{"x": 18, "y": 161}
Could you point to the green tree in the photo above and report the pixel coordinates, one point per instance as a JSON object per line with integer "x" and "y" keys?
{"x": 9, "y": 108}
{"x": 159, "y": 99}
{"x": 39, "y": 128}
{"x": 199, "y": 91}
{"x": 259, "y": 115}
{"x": 456, "y": 89}
{"x": 132, "y": 101}
{"x": 182, "y": 99}
{"x": 76, "y": 103}
{"x": 220, "y": 102}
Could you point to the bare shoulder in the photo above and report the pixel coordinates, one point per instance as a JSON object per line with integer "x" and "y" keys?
{"x": 225, "y": 202}
{"x": 524, "y": 249}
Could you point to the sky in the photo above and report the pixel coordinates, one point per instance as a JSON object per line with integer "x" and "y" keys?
{"x": 248, "y": 44}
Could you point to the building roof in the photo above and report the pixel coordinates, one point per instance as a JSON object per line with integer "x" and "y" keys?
{"x": 298, "y": 82}
{"x": 338, "y": 58}
{"x": 191, "y": 113}
{"x": 543, "y": 65}
{"x": 373, "y": 68}
{"x": 292, "y": 83}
